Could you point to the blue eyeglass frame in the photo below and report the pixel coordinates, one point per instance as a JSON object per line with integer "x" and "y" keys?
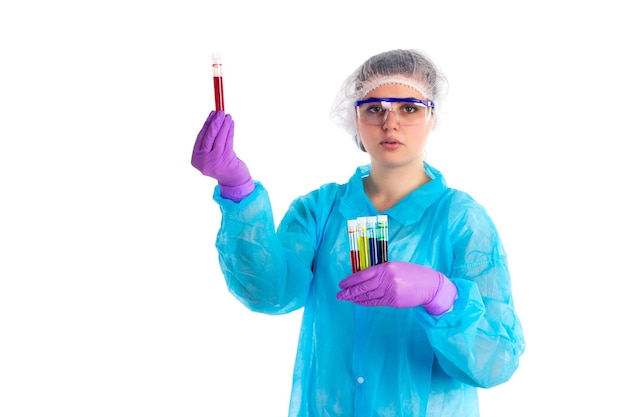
{"x": 426, "y": 103}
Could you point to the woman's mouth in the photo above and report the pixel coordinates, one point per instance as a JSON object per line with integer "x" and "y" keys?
{"x": 390, "y": 144}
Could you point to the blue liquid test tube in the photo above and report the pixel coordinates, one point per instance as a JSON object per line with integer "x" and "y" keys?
{"x": 372, "y": 242}
{"x": 382, "y": 237}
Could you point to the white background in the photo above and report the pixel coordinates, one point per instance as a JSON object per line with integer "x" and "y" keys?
{"x": 111, "y": 299}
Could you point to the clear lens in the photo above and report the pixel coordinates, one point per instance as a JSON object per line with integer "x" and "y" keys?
{"x": 407, "y": 113}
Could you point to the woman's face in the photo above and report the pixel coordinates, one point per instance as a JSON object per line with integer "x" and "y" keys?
{"x": 394, "y": 143}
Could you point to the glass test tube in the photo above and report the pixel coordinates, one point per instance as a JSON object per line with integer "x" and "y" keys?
{"x": 364, "y": 255}
{"x": 382, "y": 237}
{"x": 372, "y": 243}
{"x": 354, "y": 245}
{"x": 218, "y": 87}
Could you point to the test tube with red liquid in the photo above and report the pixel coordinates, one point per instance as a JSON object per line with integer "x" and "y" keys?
{"x": 354, "y": 245}
{"x": 218, "y": 87}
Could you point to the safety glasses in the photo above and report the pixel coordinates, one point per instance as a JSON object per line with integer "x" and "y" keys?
{"x": 407, "y": 111}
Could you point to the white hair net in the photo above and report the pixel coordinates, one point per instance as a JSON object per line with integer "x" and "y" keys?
{"x": 408, "y": 67}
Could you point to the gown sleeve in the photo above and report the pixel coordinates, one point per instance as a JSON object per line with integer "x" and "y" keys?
{"x": 480, "y": 341}
{"x": 267, "y": 270}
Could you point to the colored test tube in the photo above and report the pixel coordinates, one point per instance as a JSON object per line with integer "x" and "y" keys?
{"x": 372, "y": 242}
{"x": 354, "y": 245}
{"x": 218, "y": 86}
{"x": 363, "y": 245}
{"x": 382, "y": 237}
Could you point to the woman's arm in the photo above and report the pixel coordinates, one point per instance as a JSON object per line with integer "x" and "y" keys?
{"x": 481, "y": 340}
{"x": 269, "y": 271}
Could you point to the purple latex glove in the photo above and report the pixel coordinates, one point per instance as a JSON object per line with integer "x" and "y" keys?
{"x": 213, "y": 155}
{"x": 401, "y": 285}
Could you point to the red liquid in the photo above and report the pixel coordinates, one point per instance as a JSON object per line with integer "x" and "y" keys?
{"x": 354, "y": 259}
{"x": 218, "y": 88}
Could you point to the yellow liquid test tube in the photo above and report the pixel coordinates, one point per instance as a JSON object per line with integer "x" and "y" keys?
{"x": 364, "y": 254}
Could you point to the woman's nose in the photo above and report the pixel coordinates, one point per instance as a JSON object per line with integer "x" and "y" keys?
{"x": 390, "y": 122}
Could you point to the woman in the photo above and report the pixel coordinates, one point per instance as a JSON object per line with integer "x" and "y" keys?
{"x": 413, "y": 336}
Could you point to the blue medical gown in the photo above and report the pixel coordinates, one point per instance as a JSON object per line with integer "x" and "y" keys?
{"x": 377, "y": 361}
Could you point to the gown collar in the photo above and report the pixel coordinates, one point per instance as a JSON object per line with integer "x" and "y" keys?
{"x": 408, "y": 210}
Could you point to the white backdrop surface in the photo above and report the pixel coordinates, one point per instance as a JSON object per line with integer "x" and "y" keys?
{"x": 111, "y": 298}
